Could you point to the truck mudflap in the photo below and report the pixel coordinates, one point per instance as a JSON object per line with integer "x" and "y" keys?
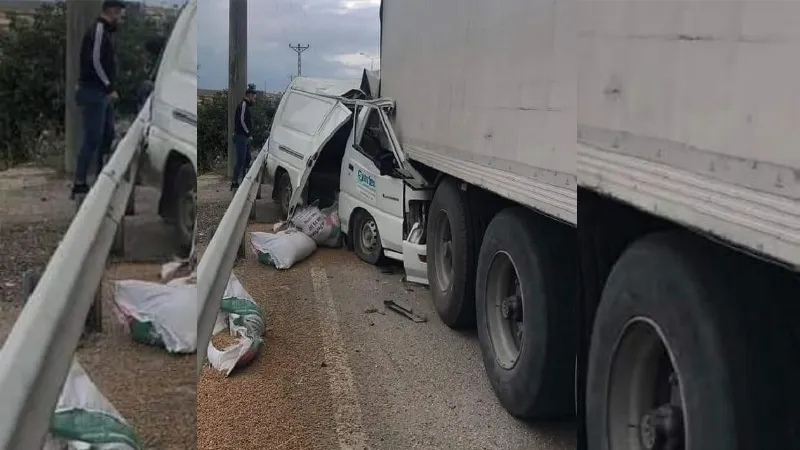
{"x": 415, "y": 256}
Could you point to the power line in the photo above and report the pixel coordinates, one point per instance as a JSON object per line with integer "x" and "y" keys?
{"x": 299, "y": 49}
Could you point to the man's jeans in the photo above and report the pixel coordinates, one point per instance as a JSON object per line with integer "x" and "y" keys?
{"x": 242, "y": 144}
{"x": 98, "y": 130}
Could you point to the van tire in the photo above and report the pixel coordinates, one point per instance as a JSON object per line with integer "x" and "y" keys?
{"x": 531, "y": 373}
{"x": 451, "y": 277}
{"x": 718, "y": 322}
{"x": 372, "y": 255}
{"x": 283, "y": 192}
{"x": 185, "y": 191}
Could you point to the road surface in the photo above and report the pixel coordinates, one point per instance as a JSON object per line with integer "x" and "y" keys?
{"x": 337, "y": 371}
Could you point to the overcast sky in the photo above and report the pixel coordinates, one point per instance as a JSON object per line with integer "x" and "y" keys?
{"x": 337, "y": 30}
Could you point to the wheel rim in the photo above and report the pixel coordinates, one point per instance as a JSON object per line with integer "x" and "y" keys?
{"x": 369, "y": 236}
{"x": 645, "y": 399}
{"x": 504, "y": 310}
{"x": 443, "y": 258}
{"x": 188, "y": 212}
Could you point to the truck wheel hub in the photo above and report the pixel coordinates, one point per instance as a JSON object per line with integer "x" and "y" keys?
{"x": 662, "y": 428}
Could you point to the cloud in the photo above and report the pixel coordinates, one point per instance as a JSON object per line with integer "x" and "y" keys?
{"x": 338, "y": 32}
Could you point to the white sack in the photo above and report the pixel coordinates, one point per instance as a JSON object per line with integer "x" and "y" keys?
{"x": 283, "y": 249}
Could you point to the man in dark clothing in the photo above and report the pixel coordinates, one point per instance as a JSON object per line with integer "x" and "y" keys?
{"x": 242, "y": 137}
{"x": 96, "y": 91}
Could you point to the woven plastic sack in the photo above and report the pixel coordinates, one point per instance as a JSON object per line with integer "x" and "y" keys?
{"x": 84, "y": 418}
{"x": 283, "y": 249}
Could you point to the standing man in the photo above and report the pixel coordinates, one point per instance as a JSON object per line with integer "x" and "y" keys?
{"x": 96, "y": 91}
{"x": 242, "y": 137}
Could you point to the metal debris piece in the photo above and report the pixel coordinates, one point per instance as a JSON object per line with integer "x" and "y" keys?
{"x": 404, "y": 311}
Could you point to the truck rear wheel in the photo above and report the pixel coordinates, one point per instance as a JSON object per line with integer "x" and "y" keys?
{"x": 452, "y": 249}
{"x": 677, "y": 356}
{"x": 526, "y": 316}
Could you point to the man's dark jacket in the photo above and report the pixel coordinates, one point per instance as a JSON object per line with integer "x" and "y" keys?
{"x": 98, "y": 65}
{"x": 244, "y": 126}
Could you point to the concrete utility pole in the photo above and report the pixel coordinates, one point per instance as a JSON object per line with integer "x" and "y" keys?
{"x": 80, "y": 15}
{"x": 299, "y": 49}
{"x": 237, "y": 70}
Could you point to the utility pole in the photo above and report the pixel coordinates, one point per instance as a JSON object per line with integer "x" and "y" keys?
{"x": 237, "y": 70}
{"x": 80, "y": 16}
{"x": 299, "y": 49}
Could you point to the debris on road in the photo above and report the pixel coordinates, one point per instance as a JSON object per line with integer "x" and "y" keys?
{"x": 283, "y": 249}
{"x": 84, "y": 418}
{"x": 404, "y": 311}
{"x": 162, "y": 315}
{"x": 244, "y": 319}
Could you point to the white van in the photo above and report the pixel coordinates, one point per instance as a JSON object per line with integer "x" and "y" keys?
{"x": 329, "y": 141}
{"x": 170, "y": 158}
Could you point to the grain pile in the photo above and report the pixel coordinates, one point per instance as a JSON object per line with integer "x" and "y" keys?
{"x": 281, "y": 400}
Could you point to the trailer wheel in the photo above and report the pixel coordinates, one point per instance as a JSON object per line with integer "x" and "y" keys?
{"x": 452, "y": 248}
{"x": 366, "y": 238}
{"x": 678, "y": 359}
{"x": 526, "y": 314}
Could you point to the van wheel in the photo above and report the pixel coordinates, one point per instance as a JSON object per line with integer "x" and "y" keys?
{"x": 366, "y": 238}
{"x": 283, "y": 193}
{"x": 525, "y": 314}
{"x": 185, "y": 208}
{"x": 678, "y": 356}
{"x": 452, "y": 247}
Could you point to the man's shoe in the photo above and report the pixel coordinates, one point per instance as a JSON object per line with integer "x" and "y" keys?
{"x": 79, "y": 189}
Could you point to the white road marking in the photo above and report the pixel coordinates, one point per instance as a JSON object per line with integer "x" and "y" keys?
{"x": 349, "y": 429}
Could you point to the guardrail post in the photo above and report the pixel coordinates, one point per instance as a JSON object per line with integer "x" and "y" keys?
{"x": 118, "y": 246}
{"x": 130, "y": 206}
{"x": 260, "y": 183}
{"x": 94, "y": 320}
{"x": 242, "y": 253}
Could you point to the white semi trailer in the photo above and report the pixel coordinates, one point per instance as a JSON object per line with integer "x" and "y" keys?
{"x": 689, "y": 210}
{"x": 486, "y": 113}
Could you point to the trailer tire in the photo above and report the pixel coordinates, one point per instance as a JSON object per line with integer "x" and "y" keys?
{"x": 531, "y": 373}
{"x": 675, "y": 312}
{"x": 451, "y": 267}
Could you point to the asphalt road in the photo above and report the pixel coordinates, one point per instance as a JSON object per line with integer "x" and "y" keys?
{"x": 338, "y": 371}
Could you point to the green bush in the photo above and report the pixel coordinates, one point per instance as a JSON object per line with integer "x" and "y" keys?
{"x": 33, "y": 76}
{"x": 212, "y": 117}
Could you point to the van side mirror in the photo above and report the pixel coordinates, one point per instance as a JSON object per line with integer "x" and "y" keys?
{"x": 385, "y": 164}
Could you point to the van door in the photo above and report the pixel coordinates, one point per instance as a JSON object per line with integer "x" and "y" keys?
{"x": 362, "y": 183}
{"x": 306, "y": 124}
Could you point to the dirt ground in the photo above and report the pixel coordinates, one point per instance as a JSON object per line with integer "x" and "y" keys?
{"x": 153, "y": 390}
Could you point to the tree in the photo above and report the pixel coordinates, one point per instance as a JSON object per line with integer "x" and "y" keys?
{"x": 212, "y": 131}
{"x": 32, "y": 74}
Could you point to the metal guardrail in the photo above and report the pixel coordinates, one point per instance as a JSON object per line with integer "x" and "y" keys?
{"x": 36, "y": 357}
{"x": 216, "y": 265}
